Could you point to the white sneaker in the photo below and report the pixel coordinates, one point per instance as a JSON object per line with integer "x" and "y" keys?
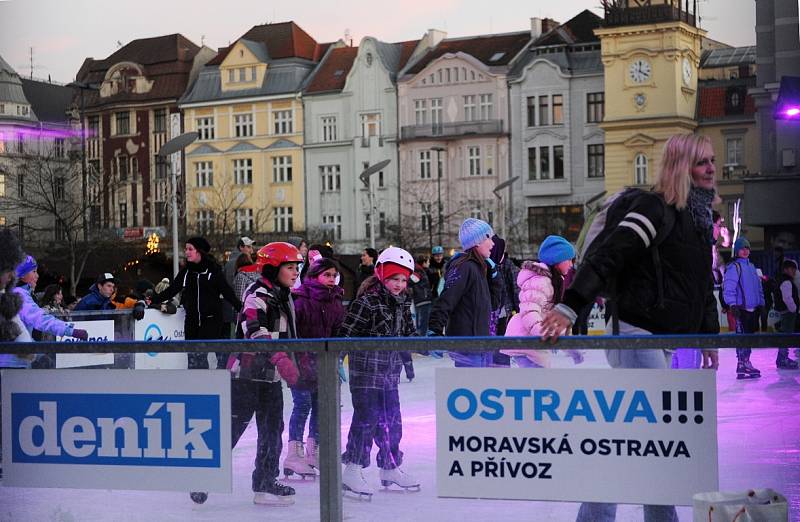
{"x": 400, "y": 478}
{"x": 353, "y": 480}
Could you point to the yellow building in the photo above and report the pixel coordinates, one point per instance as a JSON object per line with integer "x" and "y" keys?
{"x": 650, "y": 54}
{"x": 244, "y": 174}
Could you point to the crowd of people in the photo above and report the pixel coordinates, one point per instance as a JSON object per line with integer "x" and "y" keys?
{"x": 657, "y": 264}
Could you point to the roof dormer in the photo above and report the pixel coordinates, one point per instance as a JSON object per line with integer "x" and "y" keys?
{"x": 125, "y": 77}
{"x": 245, "y": 66}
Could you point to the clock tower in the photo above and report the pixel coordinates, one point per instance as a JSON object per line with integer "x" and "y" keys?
{"x": 650, "y": 51}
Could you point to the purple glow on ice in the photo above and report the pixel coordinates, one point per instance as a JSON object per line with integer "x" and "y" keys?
{"x": 42, "y": 132}
{"x": 792, "y": 111}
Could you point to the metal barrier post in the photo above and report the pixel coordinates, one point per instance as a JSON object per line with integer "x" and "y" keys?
{"x": 330, "y": 458}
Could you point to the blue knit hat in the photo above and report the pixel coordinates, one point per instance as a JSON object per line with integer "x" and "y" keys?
{"x": 739, "y": 244}
{"x": 27, "y": 266}
{"x": 555, "y": 249}
{"x": 473, "y": 232}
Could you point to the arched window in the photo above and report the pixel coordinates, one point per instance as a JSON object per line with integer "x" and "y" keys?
{"x": 640, "y": 169}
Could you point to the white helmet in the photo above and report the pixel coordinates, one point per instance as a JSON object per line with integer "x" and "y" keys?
{"x": 397, "y": 256}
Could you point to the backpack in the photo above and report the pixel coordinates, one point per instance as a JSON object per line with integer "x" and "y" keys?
{"x": 601, "y": 223}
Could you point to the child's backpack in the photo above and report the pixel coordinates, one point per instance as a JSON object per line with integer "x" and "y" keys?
{"x": 601, "y": 223}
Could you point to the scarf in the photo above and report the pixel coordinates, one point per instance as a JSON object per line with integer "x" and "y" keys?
{"x": 699, "y": 204}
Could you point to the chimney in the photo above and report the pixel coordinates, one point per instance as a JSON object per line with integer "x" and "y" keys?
{"x": 536, "y": 27}
{"x": 434, "y": 36}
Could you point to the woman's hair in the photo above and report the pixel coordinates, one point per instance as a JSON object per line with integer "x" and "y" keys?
{"x": 49, "y": 294}
{"x": 680, "y": 154}
{"x": 369, "y": 285}
{"x": 422, "y": 259}
{"x": 473, "y": 254}
{"x": 244, "y": 259}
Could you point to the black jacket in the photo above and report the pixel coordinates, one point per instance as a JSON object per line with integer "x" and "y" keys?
{"x": 201, "y": 285}
{"x": 689, "y": 305}
{"x": 421, "y": 289}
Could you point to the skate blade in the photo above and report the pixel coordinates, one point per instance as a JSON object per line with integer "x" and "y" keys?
{"x": 411, "y": 489}
{"x": 268, "y": 499}
{"x": 288, "y": 474}
{"x": 358, "y": 495}
{"x": 744, "y": 376}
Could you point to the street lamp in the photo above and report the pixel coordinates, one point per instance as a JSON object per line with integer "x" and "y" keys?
{"x": 174, "y": 146}
{"x": 496, "y": 190}
{"x": 366, "y": 178}
{"x": 439, "y": 190}
{"x": 83, "y": 86}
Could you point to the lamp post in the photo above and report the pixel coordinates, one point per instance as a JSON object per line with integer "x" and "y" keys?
{"x": 83, "y": 86}
{"x": 174, "y": 146}
{"x": 439, "y": 190}
{"x": 366, "y": 178}
{"x": 496, "y": 190}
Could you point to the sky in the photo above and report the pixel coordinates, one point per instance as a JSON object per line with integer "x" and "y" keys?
{"x": 62, "y": 33}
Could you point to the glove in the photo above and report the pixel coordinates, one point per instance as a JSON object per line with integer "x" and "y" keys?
{"x": 81, "y": 334}
{"x": 168, "y": 308}
{"x": 286, "y": 368}
{"x": 138, "y": 310}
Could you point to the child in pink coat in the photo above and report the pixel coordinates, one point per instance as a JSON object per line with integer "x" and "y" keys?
{"x": 541, "y": 287}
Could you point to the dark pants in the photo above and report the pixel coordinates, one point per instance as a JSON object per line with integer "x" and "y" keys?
{"x": 265, "y": 399}
{"x": 210, "y": 329}
{"x": 376, "y": 417}
{"x": 746, "y": 323}
{"x": 408, "y": 364}
{"x": 304, "y": 402}
{"x": 423, "y": 316}
{"x": 788, "y": 320}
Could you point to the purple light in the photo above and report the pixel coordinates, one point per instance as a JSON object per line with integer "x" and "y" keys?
{"x": 42, "y": 132}
{"x": 792, "y": 112}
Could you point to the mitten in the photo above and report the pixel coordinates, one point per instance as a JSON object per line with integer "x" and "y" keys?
{"x": 138, "y": 310}
{"x": 286, "y": 367}
{"x": 168, "y": 308}
{"x": 81, "y": 334}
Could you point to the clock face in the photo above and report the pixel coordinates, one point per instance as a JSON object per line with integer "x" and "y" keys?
{"x": 640, "y": 71}
{"x": 687, "y": 71}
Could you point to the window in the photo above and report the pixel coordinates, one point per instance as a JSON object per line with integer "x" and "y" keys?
{"x": 94, "y": 217}
{"x": 565, "y": 221}
{"x": 205, "y": 128}
{"x": 204, "y": 171}
{"x": 381, "y": 181}
{"x": 487, "y": 110}
{"x": 333, "y": 222}
{"x": 368, "y": 230}
{"x": 595, "y": 155}
{"x": 283, "y": 122}
{"x": 595, "y": 107}
{"x": 161, "y": 167}
{"x": 420, "y": 111}
{"x": 426, "y": 217}
{"x": 370, "y": 125}
{"x": 558, "y": 109}
{"x": 242, "y": 125}
{"x": 532, "y": 164}
{"x": 382, "y": 224}
{"x": 733, "y": 151}
{"x": 470, "y": 109}
{"x": 282, "y": 169}
{"x": 93, "y": 124}
{"x": 283, "y": 219}
{"x": 123, "y": 215}
{"x": 558, "y": 162}
{"x": 123, "y": 122}
{"x": 544, "y": 110}
{"x": 59, "y": 188}
{"x": 329, "y": 128}
{"x": 160, "y": 211}
{"x": 425, "y": 164}
{"x": 252, "y": 73}
{"x": 640, "y": 169}
{"x": 20, "y": 144}
{"x": 20, "y": 185}
{"x": 242, "y": 74}
{"x": 244, "y": 220}
{"x": 58, "y": 148}
{"x": 134, "y": 168}
{"x": 474, "y": 155}
{"x": 531, "y": 111}
{"x": 2, "y": 185}
{"x": 135, "y": 216}
{"x": 205, "y": 222}
{"x": 160, "y": 120}
{"x": 544, "y": 162}
{"x": 21, "y": 228}
{"x": 60, "y": 230}
{"x": 489, "y": 163}
{"x": 243, "y": 171}
{"x": 331, "y": 178}
{"x": 122, "y": 167}
{"x": 436, "y": 115}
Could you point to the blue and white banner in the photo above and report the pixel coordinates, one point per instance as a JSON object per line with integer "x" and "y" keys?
{"x": 623, "y": 436}
{"x": 100, "y": 331}
{"x": 157, "y": 326}
{"x": 98, "y": 429}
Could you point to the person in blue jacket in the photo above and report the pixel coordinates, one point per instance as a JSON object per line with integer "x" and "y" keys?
{"x": 99, "y": 296}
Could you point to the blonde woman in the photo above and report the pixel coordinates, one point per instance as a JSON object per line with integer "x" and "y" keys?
{"x": 686, "y": 186}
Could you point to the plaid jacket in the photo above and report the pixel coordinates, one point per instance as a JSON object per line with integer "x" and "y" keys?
{"x": 376, "y": 313}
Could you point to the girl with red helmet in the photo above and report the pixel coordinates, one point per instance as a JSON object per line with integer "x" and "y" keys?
{"x": 381, "y": 309}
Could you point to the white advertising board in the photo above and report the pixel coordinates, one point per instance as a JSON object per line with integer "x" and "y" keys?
{"x": 98, "y": 430}
{"x": 597, "y": 435}
{"x": 156, "y": 326}
{"x": 99, "y": 331}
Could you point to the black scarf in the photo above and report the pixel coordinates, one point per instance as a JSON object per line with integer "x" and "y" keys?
{"x": 699, "y": 204}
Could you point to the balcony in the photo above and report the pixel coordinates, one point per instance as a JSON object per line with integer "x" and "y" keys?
{"x": 734, "y": 172}
{"x": 451, "y": 130}
{"x": 618, "y": 14}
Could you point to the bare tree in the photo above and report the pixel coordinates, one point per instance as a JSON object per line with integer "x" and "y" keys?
{"x": 419, "y": 219}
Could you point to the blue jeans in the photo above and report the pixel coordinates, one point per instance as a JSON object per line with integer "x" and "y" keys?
{"x": 524, "y": 362}
{"x": 472, "y": 359}
{"x": 305, "y": 401}
{"x": 655, "y": 359}
{"x": 423, "y": 316}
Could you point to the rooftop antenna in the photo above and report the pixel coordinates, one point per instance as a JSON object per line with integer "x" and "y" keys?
{"x": 202, "y": 40}
{"x": 347, "y": 39}
{"x": 31, "y": 63}
{"x": 119, "y": 44}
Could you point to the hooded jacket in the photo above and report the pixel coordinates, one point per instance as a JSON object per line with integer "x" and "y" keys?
{"x": 741, "y": 286}
{"x": 94, "y": 300}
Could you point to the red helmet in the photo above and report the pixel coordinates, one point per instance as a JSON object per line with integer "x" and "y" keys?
{"x": 277, "y": 253}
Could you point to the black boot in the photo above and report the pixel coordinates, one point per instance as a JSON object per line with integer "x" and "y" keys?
{"x": 409, "y": 367}
{"x": 745, "y": 370}
{"x": 784, "y": 363}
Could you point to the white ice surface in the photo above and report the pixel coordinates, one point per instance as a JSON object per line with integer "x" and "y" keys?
{"x": 759, "y": 439}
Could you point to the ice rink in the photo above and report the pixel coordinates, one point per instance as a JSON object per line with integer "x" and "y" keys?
{"x": 759, "y": 447}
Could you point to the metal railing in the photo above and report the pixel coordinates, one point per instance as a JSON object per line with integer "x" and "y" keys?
{"x": 328, "y": 352}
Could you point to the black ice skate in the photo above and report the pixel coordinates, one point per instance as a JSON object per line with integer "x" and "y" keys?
{"x": 353, "y": 481}
{"x": 784, "y": 363}
{"x": 198, "y": 497}
{"x": 275, "y": 494}
{"x": 745, "y": 370}
{"x": 399, "y": 478}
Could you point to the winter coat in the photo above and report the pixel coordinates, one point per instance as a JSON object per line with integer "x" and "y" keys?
{"x": 435, "y": 272}
{"x": 364, "y": 273}
{"x": 94, "y": 300}
{"x": 509, "y": 291}
{"x": 420, "y": 287}
{"x": 12, "y": 329}
{"x": 35, "y": 318}
{"x": 688, "y": 304}
{"x": 377, "y": 313}
{"x": 230, "y": 273}
{"x": 789, "y": 294}
{"x": 246, "y": 276}
{"x": 201, "y": 285}
{"x": 742, "y": 286}
{"x": 319, "y": 313}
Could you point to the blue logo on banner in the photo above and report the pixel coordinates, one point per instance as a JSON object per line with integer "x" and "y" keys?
{"x": 116, "y": 429}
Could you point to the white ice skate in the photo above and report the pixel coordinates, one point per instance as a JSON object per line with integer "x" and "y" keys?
{"x": 312, "y": 449}
{"x": 295, "y": 462}
{"x": 353, "y": 481}
{"x": 400, "y": 478}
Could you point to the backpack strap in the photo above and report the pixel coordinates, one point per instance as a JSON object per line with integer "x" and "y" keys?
{"x": 665, "y": 229}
